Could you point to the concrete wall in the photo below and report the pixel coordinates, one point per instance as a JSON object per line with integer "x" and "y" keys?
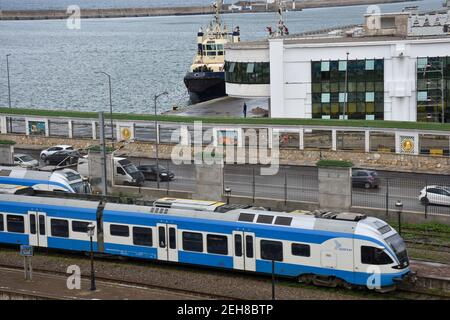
{"x": 335, "y": 188}
{"x": 6, "y": 154}
{"x": 209, "y": 180}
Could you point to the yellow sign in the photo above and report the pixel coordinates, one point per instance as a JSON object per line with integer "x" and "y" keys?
{"x": 408, "y": 145}
{"x": 126, "y": 133}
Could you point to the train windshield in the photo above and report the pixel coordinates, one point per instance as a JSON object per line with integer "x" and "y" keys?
{"x": 81, "y": 187}
{"x": 398, "y": 245}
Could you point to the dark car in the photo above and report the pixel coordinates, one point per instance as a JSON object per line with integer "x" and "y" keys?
{"x": 150, "y": 172}
{"x": 365, "y": 179}
{"x": 65, "y": 157}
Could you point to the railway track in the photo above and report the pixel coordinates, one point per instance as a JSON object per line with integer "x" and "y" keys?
{"x": 403, "y": 293}
{"x": 110, "y": 280}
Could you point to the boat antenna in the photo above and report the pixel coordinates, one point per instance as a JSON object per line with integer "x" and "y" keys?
{"x": 217, "y": 6}
{"x": 282, "y": 30}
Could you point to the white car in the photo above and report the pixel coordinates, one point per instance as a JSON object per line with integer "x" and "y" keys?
{"x": 25, "y": 161}
{"x": 435, "y": 195}
{"x": 45, "y": 153}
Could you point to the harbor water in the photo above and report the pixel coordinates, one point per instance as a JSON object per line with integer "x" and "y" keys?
{"x": 52, "y": 66}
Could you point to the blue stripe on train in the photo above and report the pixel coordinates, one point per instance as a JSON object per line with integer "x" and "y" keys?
{"x": 131, "y": 251}
{"x": 212, "y": 260}
{"x": 293, "y": 270}
{"x": 51, "y": 211}
{"x": 14, "y": 238}
{"x": 70, "y": 244}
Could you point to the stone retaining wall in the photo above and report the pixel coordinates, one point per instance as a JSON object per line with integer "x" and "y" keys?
{"x": 369, "y": 160}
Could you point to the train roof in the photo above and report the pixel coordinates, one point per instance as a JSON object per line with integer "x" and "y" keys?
{"x": 50, "y": 201}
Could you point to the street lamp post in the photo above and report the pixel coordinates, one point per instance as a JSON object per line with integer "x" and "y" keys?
{"x": 110, "y": 104}
{"x": 9, "y": 90}
{"x": 228, "y": 194}
{"x": 157, "y": 138}
{"x": 399, "y": 206}
{"x": 90, "y": 232}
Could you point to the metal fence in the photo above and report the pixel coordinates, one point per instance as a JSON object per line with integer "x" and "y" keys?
{"x": 407, "y": 190}
{"x": 287, "y": 184}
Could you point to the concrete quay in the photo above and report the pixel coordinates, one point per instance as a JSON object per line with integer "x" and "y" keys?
{"x": 174, "y": 11}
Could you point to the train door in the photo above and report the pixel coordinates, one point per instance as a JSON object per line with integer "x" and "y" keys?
{"x": 38, "y": 228}
{"x": 244, "y": 251}
{"x": 167, "y": 242}
{"x": 328, "y": 259}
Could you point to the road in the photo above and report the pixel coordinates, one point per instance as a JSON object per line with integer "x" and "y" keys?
{"x": 300, "y": 183}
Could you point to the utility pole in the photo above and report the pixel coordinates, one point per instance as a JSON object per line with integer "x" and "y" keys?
{"x": 101, "y": 124}
{"x": 9, "y": 90}
{"x": 442, "y": 92}
{"x": 110, "y": 105}
{"x": 157, "y": 138}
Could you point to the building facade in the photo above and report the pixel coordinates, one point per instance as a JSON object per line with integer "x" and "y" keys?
{"x": 386, "y": 72}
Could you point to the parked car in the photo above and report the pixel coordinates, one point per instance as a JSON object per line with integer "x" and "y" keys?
{"x": 435, "y": 195}
{"x": 365, "y": 178}
{"x": 150, "y": 172}
{"x": 47, "y": 152}
{"x": 64, "y": 157}
{"x": 25, "y": 161}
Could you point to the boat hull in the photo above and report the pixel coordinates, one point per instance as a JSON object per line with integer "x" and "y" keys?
{"x": 203, "y": 86}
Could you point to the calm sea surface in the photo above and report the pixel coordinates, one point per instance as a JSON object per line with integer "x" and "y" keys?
{"x": 53, "y": 67}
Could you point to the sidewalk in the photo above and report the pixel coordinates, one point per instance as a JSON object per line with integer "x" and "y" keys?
{"x": 47, "y": 286}
{"x": 223, "y": 107}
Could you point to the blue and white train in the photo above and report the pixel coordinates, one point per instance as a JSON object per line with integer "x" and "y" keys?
{"x": 324, "y": 248}
{"x": 65, "y": 180}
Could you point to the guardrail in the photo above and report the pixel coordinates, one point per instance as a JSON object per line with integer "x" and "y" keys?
{"x": 425, "y": 139}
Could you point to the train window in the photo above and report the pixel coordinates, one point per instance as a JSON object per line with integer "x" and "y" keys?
{"x": 15, "y": 223}
{"x": 192, "y": 241}
{"x": 238, "y": 245}
{"x": 80, "y": 226}
{"x": 249, "y": 246}
{"x": 262, "y": 218}
{"x": 246, "y": 217}
{"x": 217, "y": 244}
{"x": 371, "y": 255}
{"x": 162, "y": 237}
{"x": 271, "y": 250}
{"x": 302, "y": 250}
{"x": 42, "y": 225}
{"x": 118, "y": 230}
{"x": 142, "y": 236}
{"x": 32, "y": 223}
{"x": 59, "y": 228}
{"x": 283, "y": 221}
{"x": 2, "y": 225}
{"x": 172, "y": 238}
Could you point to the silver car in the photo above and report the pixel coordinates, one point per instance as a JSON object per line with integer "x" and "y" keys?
{"x": 25, "y": 161}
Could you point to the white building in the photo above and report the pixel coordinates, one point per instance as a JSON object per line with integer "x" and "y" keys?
{"x": 394, "y": 72}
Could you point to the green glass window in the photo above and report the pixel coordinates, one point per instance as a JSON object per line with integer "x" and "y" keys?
{"x": 360, "y": 81}
{"x": 370, "y": 64}
{"x": 247, "y": 73}
{"x": 422, "y": 96}
{"x": 325, "y": 66}
{"x": 325, "y": 98}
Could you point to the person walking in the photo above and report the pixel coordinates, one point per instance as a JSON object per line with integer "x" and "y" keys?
{"x": 245, "y": 110}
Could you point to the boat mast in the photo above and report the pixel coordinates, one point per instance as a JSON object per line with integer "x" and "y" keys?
{"x": 282, "y": 30}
